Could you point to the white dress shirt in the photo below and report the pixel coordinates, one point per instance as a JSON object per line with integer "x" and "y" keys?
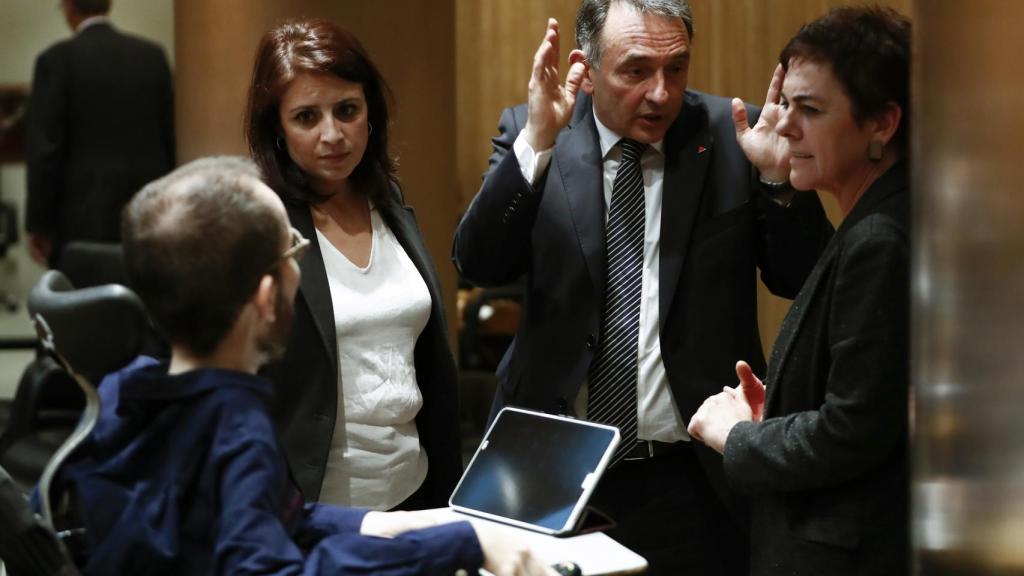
{"x": 657, "y": 414}
{"x": 91, "y": 21}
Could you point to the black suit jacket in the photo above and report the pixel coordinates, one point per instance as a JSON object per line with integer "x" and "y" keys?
{"x": 827, "y": 469}
{"x": 306, "y": 379}
{"x": 716, "y": 230}
{"x": 100, "y": 126}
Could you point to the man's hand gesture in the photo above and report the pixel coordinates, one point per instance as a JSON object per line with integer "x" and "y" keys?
{"x": 550, "y": 103}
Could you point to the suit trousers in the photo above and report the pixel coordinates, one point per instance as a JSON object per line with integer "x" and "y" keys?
{"x": 666, "y": 511}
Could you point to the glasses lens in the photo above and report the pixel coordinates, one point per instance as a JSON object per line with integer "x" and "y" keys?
{"x": 298, "y": 245}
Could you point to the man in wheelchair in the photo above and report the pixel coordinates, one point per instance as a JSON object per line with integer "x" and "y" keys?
{"x": 183, "y": 473}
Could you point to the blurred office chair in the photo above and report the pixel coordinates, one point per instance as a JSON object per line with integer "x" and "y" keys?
{"x": 89, "y": 332}
{"x": 93, "y": 263}
{"x": 483, "y": 338}
{"x": 8, "y": 237}
{"x": 48, "y": 402}
{"x": 46, "y": 407}
{"x": 27, "y": 546}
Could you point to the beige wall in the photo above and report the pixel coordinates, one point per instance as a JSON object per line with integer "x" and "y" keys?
{"x": 735, "y": 48}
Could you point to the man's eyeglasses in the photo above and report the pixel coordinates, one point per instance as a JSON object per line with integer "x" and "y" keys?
{"x": 299, "y": 244}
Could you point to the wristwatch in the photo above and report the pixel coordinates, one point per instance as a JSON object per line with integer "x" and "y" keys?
{"x": 783, "y": 187}
{"x": 781, "y": 193}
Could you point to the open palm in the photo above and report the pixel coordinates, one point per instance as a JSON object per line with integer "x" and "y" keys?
{"x": 763, "y": 146}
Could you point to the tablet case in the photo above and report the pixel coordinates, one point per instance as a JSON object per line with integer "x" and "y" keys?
{"x": 535, "y": 470}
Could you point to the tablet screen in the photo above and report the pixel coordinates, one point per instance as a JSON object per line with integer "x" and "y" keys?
{"x": 535, "y": 470}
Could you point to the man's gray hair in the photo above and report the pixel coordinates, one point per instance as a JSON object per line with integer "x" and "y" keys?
{"x": 592, "y": 15}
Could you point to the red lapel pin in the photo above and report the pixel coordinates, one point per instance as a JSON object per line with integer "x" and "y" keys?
{"x": 701, "y": 149}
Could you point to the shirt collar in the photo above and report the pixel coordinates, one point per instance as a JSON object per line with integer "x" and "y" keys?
{"x": 609, "y": 138}
{"x": 91, "y": 21}
{"x": 154, "y": 383}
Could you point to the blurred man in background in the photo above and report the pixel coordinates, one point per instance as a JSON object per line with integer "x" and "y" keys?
{"x": 100, "y": 126}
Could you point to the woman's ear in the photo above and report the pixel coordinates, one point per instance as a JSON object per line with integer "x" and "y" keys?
{"x": 887, "y": 123}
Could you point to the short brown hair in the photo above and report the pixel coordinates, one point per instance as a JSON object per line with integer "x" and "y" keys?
{"x": 868, "y": 48}
{"x": 196, "y": 243}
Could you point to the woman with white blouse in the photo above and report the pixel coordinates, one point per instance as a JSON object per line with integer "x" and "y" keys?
{"x": 365, "y": 397}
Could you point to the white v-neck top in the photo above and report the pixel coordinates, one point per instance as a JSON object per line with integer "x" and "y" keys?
{"x": 375, "y": 460}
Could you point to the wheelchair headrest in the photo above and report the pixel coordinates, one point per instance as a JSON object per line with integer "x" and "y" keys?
{"x": 96, "y": 330}
{"x": 88, "y": 264}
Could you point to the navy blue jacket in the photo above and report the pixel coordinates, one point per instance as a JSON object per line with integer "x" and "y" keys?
{"x": 184, "y": 474}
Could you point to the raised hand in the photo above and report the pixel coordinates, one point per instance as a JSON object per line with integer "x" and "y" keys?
{"x": 765, "y": 149}
{"x": 550, "y": 103}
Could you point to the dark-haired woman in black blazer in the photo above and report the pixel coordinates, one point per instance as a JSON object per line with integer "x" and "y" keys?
{"x": 365, "y": 397}
{"x": 821, "y": 447}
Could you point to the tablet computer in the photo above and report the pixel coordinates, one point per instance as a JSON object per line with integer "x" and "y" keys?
{"x": 535, "y": 470}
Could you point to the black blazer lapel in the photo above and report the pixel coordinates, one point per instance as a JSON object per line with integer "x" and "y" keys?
{"x": 313, "y": 287}
{"x": 893, "y": 181}
{"x": 792, "y": 323}
{"x": 688, "y": 149}
{"x": 577, "y": 165}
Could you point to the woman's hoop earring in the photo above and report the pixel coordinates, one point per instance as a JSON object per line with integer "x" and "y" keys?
{"x": 370, "y": 131}
{"x": 279, "y": 142}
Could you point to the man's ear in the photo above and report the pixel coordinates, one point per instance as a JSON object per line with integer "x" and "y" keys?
{"x": 577, "y": 56}
{"x": 265, "y": 297}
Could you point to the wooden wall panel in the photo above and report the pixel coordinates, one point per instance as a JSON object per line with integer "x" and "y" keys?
{"x": 735, "y": 48}
{"x": 495, "y": 42}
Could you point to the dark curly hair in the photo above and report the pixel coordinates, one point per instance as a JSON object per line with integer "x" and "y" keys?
{"x": 868, "y": 48}
{"x": 315, "y": 46}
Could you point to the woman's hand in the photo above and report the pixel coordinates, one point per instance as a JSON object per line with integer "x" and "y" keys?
{"x": 765, "y": 149}
{"x": 751, "y": 390}
{"x": 716, "y": 417}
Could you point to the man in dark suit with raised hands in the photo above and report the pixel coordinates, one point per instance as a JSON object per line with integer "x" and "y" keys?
{"x": 636, "y": 222}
